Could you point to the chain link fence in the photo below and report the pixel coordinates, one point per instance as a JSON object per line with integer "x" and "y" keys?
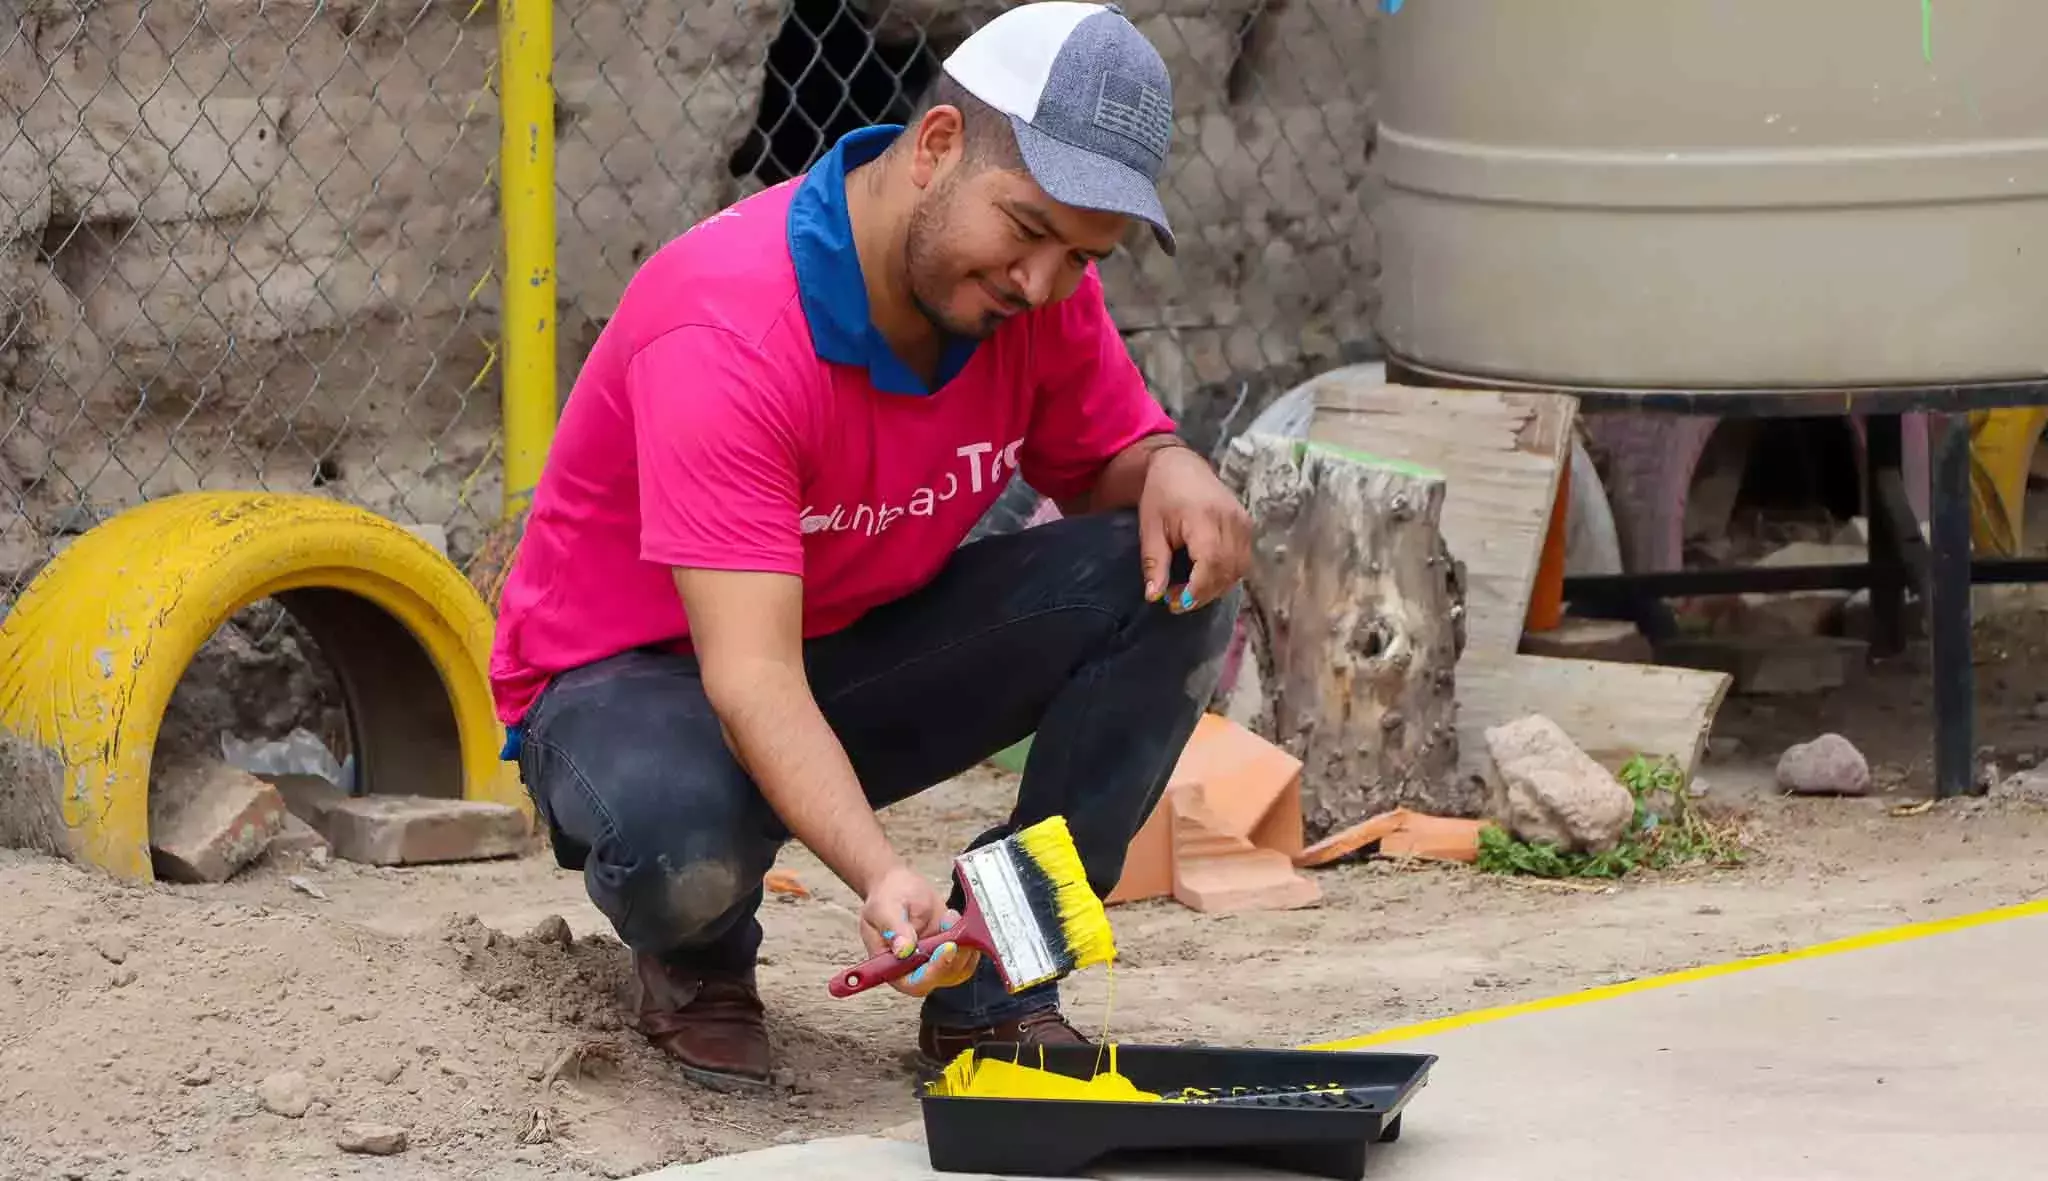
{"x": 245, "y": 245}
{"x": 255, "y": 244}
{"x": 673, "y": 108}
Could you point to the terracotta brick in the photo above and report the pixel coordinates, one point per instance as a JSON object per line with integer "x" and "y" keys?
{"x": 1400, "y": 833}
{"x": 1219, "y": 873}
{"x": 207, "y": 820}
{"x": 1347, "y": 841}
{"x": 1251, "y": 789}
{"x": 1256, "y": 879}
{"x": 1148, "y": 862}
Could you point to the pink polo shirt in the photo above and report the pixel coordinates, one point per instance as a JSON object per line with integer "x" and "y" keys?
{"x": 739, "y": 412}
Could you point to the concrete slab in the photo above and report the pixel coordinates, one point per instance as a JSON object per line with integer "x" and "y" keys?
{"x": 1898, "y": 1061}
{"x": 878, "y": 1158}
{"x": 841, "y": 1158}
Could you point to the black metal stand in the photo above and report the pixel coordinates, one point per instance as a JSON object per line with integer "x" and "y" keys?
{"x": 1938, "y": 568}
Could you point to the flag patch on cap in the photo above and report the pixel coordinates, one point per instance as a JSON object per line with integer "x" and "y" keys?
{"x": 1136, "y": 111}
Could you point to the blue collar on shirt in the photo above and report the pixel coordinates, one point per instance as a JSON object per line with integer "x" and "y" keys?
{"x": 828, "y": 277}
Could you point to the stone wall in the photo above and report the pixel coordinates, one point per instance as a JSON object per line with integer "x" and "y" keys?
{"x": 250, "y": 242}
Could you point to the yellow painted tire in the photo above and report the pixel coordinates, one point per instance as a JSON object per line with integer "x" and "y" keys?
{"x": 2002, "y": 446}
{"x": 91, "y": 652}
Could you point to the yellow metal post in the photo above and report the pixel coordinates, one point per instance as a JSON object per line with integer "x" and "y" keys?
{"x": 526, "y": 186}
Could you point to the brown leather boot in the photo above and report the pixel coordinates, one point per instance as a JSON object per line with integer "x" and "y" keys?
{"x": 938, "y": 1045}
{"x": 712, "y": 1024}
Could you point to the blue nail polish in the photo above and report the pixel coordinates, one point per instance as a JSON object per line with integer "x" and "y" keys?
{"x": 889, "y": 935}
{"x": 945, "y": 924}
{"x": 1187, "y": 599}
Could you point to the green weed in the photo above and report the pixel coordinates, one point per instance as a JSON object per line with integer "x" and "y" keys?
{"x": 1667, "y": 831}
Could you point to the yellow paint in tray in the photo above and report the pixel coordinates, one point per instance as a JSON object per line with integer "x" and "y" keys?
{"x": 972, "y": 1077}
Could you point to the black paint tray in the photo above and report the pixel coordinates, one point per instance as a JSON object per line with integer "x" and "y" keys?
{"x": 1307, "y": 1111}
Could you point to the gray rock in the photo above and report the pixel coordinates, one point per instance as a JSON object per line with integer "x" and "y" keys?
{"x": 2030, "y": 786}
{"x": 1546, "y": 790}
{"x": 1726, "y": 748}
{"x": 553, "y": 929}
{"x": 1828, "y": 766}
{"x": 286, "y": 1093}
{"x": 372, "y": 1139}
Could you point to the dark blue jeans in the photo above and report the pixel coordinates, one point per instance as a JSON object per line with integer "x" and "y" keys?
{"x": 1042, "y": 631}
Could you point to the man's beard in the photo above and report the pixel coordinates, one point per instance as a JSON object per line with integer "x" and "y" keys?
{"x": 924, "y": 264}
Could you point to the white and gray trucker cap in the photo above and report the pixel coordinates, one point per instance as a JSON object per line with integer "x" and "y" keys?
{"x": 1089, "y": 98}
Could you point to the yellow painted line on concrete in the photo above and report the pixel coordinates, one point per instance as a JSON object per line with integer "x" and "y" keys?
{"x": 1883, "y": 937}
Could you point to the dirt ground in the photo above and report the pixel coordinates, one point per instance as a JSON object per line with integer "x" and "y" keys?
{"x": 136, "y": 1024}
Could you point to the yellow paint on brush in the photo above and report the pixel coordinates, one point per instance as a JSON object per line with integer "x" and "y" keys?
{"x": 1050, "y": 846}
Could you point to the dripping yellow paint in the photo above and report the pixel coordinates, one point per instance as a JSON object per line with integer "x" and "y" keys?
{"x": 1085, "y": 925}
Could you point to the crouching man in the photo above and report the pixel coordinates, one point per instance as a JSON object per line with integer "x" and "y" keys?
{"x": 741, "y": 611}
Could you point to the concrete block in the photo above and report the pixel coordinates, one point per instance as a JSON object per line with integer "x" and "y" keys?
{"x": 298, "y": 839}
{"x": 419, "y": 830}
{"x": 207, "y": 820}
{"x": 308, "y": 797}
{"x": 1771, "y": 665}
{"x": 1799, "y": 613}
{"x": 405, "y": 830}
{"x": 1575, "y": 638}
{"x": 1859, "y": 617}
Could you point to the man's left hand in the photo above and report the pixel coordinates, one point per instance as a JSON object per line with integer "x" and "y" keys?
{"x": 1185, "y": 506}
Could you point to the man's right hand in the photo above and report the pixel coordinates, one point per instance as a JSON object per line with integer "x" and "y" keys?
{"x": 902, "y": 908}
{"x": 747, "y": 628}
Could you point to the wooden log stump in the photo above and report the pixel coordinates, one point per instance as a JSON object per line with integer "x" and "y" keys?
{"x": 1355, "y": 614}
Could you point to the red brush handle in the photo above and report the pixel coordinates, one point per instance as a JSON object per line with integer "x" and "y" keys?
{"x": 970, "y": 931}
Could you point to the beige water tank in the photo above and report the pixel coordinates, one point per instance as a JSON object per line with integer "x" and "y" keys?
{"x": 1707, "y": 193}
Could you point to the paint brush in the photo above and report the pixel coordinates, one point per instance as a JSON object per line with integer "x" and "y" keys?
{"x": 1029, "y": 909}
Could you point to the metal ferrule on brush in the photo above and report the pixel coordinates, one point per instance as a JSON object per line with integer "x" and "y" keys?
{"x": 1059, "y": 913}
{"x": 1024, "y": 955}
